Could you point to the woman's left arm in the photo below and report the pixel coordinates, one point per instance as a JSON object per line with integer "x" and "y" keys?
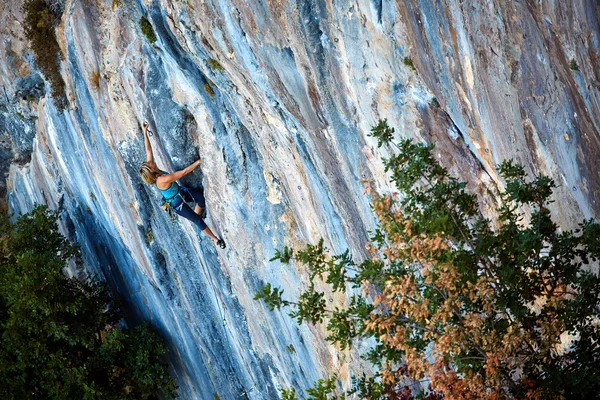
{"x": 149, "y": 155}
{"x": 168, "y": 178}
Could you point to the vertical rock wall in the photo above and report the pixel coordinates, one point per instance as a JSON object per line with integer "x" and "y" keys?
{"x": 520, "y": 79}
{"x": 276, "y": 98}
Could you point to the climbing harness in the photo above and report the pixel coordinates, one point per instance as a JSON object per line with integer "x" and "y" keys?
{"x": 168, "y": 207}
{"x": 167, "y": 203}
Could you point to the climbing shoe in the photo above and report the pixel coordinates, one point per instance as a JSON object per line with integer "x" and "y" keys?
{"x": 221, "y": 243}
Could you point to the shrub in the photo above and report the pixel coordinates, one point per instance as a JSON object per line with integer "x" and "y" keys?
{"x": 208, "y": 89}
{"x": 409, "y": 63}
{"x": 39, "y": 24}
{"x": 95, "y": 80}
{"x": 573, "y": 65}
{"x": 214, "y": 65}
{"x": 57, "y": 335}
{"x": 149, "y": 237}
{"x": 147, "y": 29}
{"x": 474, "y": 308}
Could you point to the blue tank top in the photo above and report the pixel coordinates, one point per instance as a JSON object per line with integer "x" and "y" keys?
{"x": 170, "y": 192}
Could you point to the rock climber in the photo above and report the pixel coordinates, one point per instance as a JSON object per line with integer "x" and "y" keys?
{"x": 176, "y": 196}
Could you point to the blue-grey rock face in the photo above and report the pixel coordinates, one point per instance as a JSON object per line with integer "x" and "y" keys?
{"x": 276, "y": 98}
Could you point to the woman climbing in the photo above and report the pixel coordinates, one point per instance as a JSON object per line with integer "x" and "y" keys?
{"x": 175, "y": 195}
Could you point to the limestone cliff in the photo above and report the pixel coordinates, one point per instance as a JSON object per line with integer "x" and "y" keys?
{"x": 277, "y": 98}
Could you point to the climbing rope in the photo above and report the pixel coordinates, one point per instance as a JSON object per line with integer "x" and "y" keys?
{"x": 225, "y": 329}
{"x": 173, "y": 216}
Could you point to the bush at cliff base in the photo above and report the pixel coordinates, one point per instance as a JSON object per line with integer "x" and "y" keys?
{"x": 57, "y": 334}
{"x": 457, "y": 305}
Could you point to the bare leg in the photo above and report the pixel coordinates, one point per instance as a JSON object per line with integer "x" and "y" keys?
{"x": 198, "y": 209}
{"x": 209, "y": 233}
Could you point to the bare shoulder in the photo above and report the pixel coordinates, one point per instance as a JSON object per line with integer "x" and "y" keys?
{"x": 163, "y": 181}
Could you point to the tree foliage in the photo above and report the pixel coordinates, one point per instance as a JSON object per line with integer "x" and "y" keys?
{"x": 460, "y": 306}
{"x": 58, "y": 338}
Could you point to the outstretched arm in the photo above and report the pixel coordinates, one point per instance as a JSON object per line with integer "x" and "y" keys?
{"x": 168, "y": 178}
{"x": 149, "y": 155}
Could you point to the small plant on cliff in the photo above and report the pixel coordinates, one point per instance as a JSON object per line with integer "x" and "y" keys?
{"x": 94, "y": 79}
{"x": 573, "y": 65}
{"x": 214, "y": 65}
{"x": 39, "y": 24}
{"x": 149, "y": 237}
{"x": 457, "y": 305}
{"x": 58, "y": 338}
{"x": 147, "y": 29}
{"x": 209, "y": 90}
{"x": 409, "y": 63}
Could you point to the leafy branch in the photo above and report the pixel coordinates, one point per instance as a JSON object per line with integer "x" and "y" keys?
{"x": 449, "y": 298}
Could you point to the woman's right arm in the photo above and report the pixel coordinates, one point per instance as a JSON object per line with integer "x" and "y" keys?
{"x": 168, "y": 178}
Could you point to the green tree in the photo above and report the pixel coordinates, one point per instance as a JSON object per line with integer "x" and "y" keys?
{"x": 58, "y": 335}
{"x": 458, "y": 305}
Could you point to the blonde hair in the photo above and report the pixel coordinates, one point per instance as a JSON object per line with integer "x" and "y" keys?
{"x": 147, "y": 173}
